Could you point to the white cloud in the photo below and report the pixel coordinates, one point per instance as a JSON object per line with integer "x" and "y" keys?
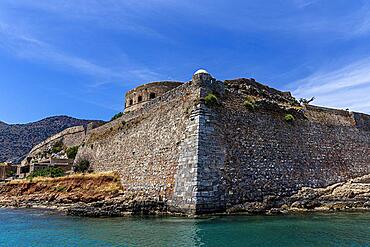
{"x": 345, "y": 87}
{"x": 292, "y": 17}
{"x": 122, "y": 15}
{"x": 25, "y": 46}
{"x": 33, "y": 40}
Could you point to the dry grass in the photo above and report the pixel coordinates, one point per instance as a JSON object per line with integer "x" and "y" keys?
{"x": 76, "y": 187}
{"x": 78, "y": 176}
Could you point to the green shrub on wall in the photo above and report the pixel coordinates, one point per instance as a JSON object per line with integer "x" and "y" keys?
{"x": 72, "y": 152}
{"x": 118, "y": 115}
{"x": 10, "y": 173}
{"x": 211, "y": 100}
{"x": 52, "y": 172}
{"x": 82, "y": 166}
{"x": 250, "y": 103}
{"x": 57, "y": 147}
{"x": 289, "y": 118}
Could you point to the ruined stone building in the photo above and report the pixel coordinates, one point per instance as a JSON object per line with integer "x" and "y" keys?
{"x": 41, "y": 156}
{"x": 207, "y": 145}
{"x": 7, "y": 170}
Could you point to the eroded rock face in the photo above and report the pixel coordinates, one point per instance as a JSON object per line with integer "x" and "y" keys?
{"x": 345, "y": 196}
{"x": 353, "y": 194}
{"x": 118, "y": 206}
{"x": 96, "y": 195}
{"x": 61, "y": 191}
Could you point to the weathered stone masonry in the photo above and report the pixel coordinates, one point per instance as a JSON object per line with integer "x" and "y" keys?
{"x": 195, "y": 158}
{"x": 266, "y": 157}
{"x": 197, "y": 181}
{"x": 137, "y": 97}
{"x": 144, "y": 145}
{"x": 72, "y": 136}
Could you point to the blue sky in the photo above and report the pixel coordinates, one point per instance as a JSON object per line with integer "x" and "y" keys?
{"x": 78, "y": 58}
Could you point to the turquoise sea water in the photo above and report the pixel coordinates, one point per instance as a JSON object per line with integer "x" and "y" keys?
{"x": 19, "y": 227}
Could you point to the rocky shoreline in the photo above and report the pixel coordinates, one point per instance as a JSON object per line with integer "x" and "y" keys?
{"x": 352, "y": 195}
{"x": 102, "y": 196}
{"x": 109, "y": 209}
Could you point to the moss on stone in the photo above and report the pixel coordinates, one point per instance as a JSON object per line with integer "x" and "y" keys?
{"x": 289, "y": 118}
{"x": 211, "y": 100}
{"x": 250, "y": 103}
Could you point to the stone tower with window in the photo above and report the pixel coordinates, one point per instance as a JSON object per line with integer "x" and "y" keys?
{"x": 139, "y": 96}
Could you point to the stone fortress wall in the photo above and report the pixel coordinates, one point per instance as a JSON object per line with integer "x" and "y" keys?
{"x": 72, "y": 136}
{"x": 267, "y": 158}
{"x": 144, "y": 145}
{"x": 196, "y": 158}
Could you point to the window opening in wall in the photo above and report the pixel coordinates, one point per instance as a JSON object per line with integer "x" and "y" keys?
{"x": 131, "y": 102}
{"x": 140, "y": 98}
{"x": 151, "y": 95}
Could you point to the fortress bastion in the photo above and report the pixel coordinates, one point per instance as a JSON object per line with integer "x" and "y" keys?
{"x": 236, "y": 152}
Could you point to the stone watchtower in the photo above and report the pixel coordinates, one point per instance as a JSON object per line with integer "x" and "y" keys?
{"x": 137, "y": 97}
{"x": 202, "y": 76}
{"x": 207, "y": 83}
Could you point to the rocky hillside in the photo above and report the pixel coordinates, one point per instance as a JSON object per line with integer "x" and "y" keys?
{"x": 2, "y": 125}
{"x": 61, "y": 191}
{"x": 16, "y": 140}
{"x": 91, "y": 194}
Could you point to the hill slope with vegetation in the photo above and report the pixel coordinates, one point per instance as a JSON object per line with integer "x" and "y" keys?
{"x": 16, "y": 140}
